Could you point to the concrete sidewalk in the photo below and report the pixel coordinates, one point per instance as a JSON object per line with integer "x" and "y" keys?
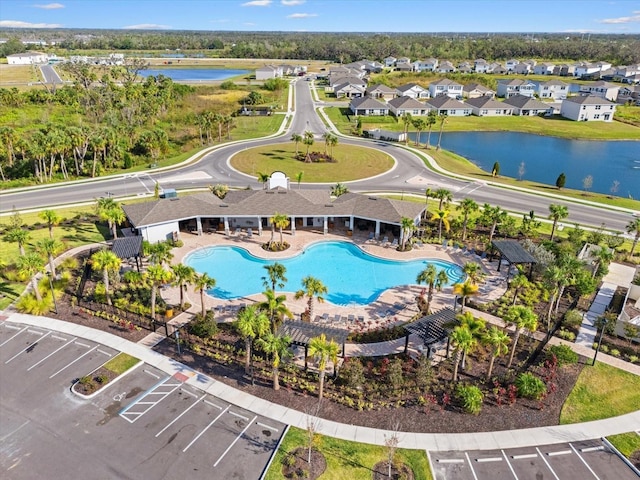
{"x": 427, "y": 441}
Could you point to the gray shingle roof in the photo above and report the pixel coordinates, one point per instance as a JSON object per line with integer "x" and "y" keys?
{"x": 588, "y": 100}
{"x": 368, "y": 103}
{"x": 524, "y": 102}
{"x": 445, "y": 102}
{"x": 486, "y": 102}
{"x": 406, "y": 102}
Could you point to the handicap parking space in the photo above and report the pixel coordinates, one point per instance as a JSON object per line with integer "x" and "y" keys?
{"x": 571, "y": 461}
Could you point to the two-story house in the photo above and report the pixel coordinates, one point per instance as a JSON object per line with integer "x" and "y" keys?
{"x": 389, "y": 62}
{"x": 584, "y": 69}
{"x": 445, "y": 67}
{"x": 544, "y": 69}
{"x": 480, "y": 65}
{"x": 445, "y": 87}
{"x": 508, "y": 88}
{"x": 554, "y": 89}
{"x": 510, "y": 65}
{"x": 601, "y": 89}
{"x": 588, "y": 108}
{"x": 428, "y": 65}
{"x": 444, "y": 105}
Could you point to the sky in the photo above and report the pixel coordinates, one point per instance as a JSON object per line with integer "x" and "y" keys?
{"x": 557, "y": 16}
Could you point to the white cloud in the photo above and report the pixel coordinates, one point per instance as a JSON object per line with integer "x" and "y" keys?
{"x": 302, "y": 15}
{"x": 257, "y": 3}
{"x": 632, "y": 19}
{"x": 49, "y": 6}
{"x": 147, "y": 26}
{"x": 292, "y": 3}
{"x": 19, "y": 24}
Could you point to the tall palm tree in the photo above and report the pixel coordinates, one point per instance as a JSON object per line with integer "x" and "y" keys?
{"x": 275, "y": 276}
{"x": 633, "y": 228}
{"x": 428, "y": 193}
{"x": 467, "y": 207}
{"x": 419, "y": 124}
{"x": 523, "y": 318}
{"x": 251, "y": 324}
{"x": 444, "y": 196}
{"x": 278, "y": 347}
{"x": 156, "y": 276}
{"x": 434, "y": 279}
{"x": 327, "y": 139}
{"x": 263, "y": 178}
{"x": 203, "y": 282}
{"x": 431, "y": 121}
{"x": 280, "y": 221}
{"x": 493, "y": 216}
{"x": 474, "y": 272}
{"x": 299, "y": 176}
{"x": 407, "y": 226}
{"x": 296, "y": 138}
{"x": 475, "y": 325}
{"x": 49, "y": 247}
{"x": 518, "y": 282}
{"x": 463, "y": 342}
{"x": 183, "y": 276}
{"x": 20, "y": 236}
{"x": 406, "y": 121}
{"x": 323, "y": 350}
{"x": 498, "y": 340}
{"x": 442, "y": 216}
{"x": 52, "y": 219}
{"x": 105, "y": 261}
{"x": 276, "y": 308}
{"x": 602, "y": 258}
{"x": 465, "y": 290}
{"x": 333, "y": 141}
{"x": 557, "y": 213}
{"x": 308, "y": 140}
{"x": 29, "y": 266}
{"x": 443, "y": 120}
{"x": 312, "y": 288}
{"x": 553, "y": 278}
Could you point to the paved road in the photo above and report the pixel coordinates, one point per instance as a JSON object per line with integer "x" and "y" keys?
{"x": 50, "y": 75}
{"x": 409, "y": 176}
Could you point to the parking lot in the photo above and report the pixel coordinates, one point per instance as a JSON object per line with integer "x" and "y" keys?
{"x": 145, "y": 425}
{"x": 576, "y": 460}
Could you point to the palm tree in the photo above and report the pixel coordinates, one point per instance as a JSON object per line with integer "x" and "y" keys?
{"x": 518, "y": 282}
{"x": 323, "y": 350}
{"x": 339, "y": 189}
{"x": 523, "y": 319}
{"x": 280, "y": 221}
{"x": 333, "y": 141}
{"x": 251, "y": 324}
{"x": 602, "y": 258}
{"x": 105, "y": 261}
{"x": 493, "y": 216}
{"x": 444, "y": 196}
{"x": 428, "y": 193}
{"x": 419, "y": 124}
{"x": 52, "y": 219}
{"x": 431, "y": 121}
{"x": 156, "y": 276}
{"x": 299, "y": 176}
{"x": 308, "y": 140}
{"x": 633, "y": 228}
{"x": 474, "y": 272}
{"x": 443, "y": 120}
{"x": 407, "y": 226}
{"x": 499, "y": 342}
{"x": 466, "y": 289}
{"x": 183, "y": 276}
{"x": 312, "y": 287}
{"x": 20, "y": 236}
{"x": 406, "y": 121}
{"x": 442, "y": 216}
{"x": 263, "y": 178}
{"x": 29, "y": 266}
{"x": 434, "y": 279}
{"x": 275, "y": 276}
{"x": 467, "y": 206}
{"x": 278, "y": 347}
{"x": 49, "y": 247}
{"x": 158, "y": 253}
{"x": 557, "y": 213}
{"x": 296, "y": 138}
{"x": 203, "y": 282}
{"x": 475, "y": 325}
{"x": 275, "y": 306}
{"x": 553, "y": 278}
{"x": 327, "y": 139}
{"x": 463, "y": 342}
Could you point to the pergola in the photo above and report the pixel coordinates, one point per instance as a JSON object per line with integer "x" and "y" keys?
{"x": 512, "y": 252}
{"x": 301, "y": 334}
{"x": 432, "y": 328}
{"x": 128, "y": 247}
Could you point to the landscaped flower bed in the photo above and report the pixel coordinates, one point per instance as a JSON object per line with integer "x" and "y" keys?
{"x": 98, "y": 379}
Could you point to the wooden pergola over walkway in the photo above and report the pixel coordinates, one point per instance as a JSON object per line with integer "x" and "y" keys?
{"x": 301, "y": 334}
{"x": 432, "y": 328}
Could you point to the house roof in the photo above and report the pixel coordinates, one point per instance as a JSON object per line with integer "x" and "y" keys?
{"x": 486, "y": 102}
{"x": 469, "y": 87}
{"x": 409, "y": 86}
{"x": 444, "y": 101}
{"x": 516, "y": 82}
{"x": 349, "y": 85}
{"x": 550, "y": 83}
{"x": 406, "y": 102}
{"x": 368, "y": 103}
{"x": 524, "y": 102}
{"x": 26, "y": 54}
{"x": 381, "y": 88}
{"x": 588, "y": 100}
{"x": 601, "y": 84}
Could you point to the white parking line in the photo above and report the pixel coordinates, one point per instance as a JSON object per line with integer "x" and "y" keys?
{"x": 585, "y": 463}
{"x": 188, "y": 393}
{"x": 473, "y": 472}
{"x": 12, "y": 327}
{"x": 213, "y": 404}
{"x": 13, "y": 336}
{"x": 151, "y": 373}
{"x": 52, "y": 353}
{"x": 73, "y": 361}
{"x": 155, "y": 390}
{"x": 267, "y": 426}
{"x": 547, "y": 464}
{"x": 560, "y": 452}
{"x": 58, "y": 337}
{"x": 205, "y": 429}
{"x": 36, "y": 332}
{"x": 234, "y": 442}
{"x": 526, "y": 455}
{"x": 592, "y": 449}
{"x": 450, "y": 460}
{"x": 105, "y": 353}
{"x": 509, "y": 463}
{"x": 489, "y": 459}
{"x": 30, "y": 347}
{"x": 238, "y": 415}
{"x": 83, "y": 344}
{"x": 178, "y": 417}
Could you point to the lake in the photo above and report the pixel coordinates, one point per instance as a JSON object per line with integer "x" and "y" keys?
{"x": 193, "y": 74}
{"x": 547, "y": 157}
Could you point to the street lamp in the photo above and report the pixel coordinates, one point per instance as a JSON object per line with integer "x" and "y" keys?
{"x": 53, "y": 293}
{"x": 177, "y": 333}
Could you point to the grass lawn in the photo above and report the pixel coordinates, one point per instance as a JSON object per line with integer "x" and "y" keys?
{"x": 601, "y": 391}
{"x": 121, "y": 363}
{"x": 626, "y": 443}
{"x": 352, "y": 162}
{"x": 14, "y": 74}
{"x": 347, "y": 460}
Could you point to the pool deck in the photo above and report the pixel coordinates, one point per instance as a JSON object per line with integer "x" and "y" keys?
{"x": 383, "y": 312}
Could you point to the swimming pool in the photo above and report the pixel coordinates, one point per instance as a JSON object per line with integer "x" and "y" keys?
{"x": 351, "y": 275}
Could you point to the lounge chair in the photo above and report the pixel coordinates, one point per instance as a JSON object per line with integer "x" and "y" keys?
{"x": 249, "y": 233}
{"x": 351, "y": 318}
{"x": 337, "y": 318}
{"x": 238, "y": 230}
{"x": 325, "y": 317}
{"x": 371, "y": 236}
{"x": 360, "y": 319}
{"x": 385, "y": 240}
{"x": 394, "y": 243}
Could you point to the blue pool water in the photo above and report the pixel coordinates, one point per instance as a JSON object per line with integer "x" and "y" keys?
{"x": 351, "y": 275}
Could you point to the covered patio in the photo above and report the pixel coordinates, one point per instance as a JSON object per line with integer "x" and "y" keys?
{"x": 301, "y": 334}
{"x": 514, "y": 254}
{"x": 432, "y": 329}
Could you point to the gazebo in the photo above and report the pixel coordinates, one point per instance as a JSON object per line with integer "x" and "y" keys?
{"x": 432, "y": 328}
{"x": 512, "y": 252}
{"x": 128, "y": 247}
{"x": 301, "y": 334}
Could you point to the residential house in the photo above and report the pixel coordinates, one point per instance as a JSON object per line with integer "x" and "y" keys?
{"x": 402, "y": 105}
{"x": 496, "y": 68}
{"x": 486, "y": 106}
{"x": 588, "y": 108}
{"x": 475, "y": 90}
{"x": 445, "y": 87}
{"x": 338, "y": 80}
{"x": 428, "y": 65}
{"x": 464, "y": 67}
{"x": 601, "y": 89}
{"x": 367, "y": 66}
{"x": 27, "y": 58}
{"x": 349, "y": 90}
{"x": 269, "y": 71}
{"x": 555, "y": 89}
{"x": 445, "y": 67}
{"x": 480, "y": 65}
{"x": 629, "y": 94}
{"x": 524, "y": 68}
{"x": 382, "y": 91}
{"x": 544, "y": 69}
{"x": 403, "y": 64}
{"x": 511, "y": 64}
{"x": 412, "y": 90}
{"x": 445, "y": 105}
{"x": 623, "y": 73}
{"x": 368, "y": 106}
{"x": 584, "y": 69}
{"x": 507, "y": 88}
{"x": 565, "y": 70}
{"x": 389, "y": 62}
{"x": 527, "y": 106}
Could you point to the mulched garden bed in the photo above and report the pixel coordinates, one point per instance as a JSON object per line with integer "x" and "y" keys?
{"x": 299, "y": 467}
{"x": 381, "y": 472}
{"x": 91, "y": 383}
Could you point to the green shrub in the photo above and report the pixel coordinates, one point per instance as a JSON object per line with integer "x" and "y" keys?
{"x": 615, "y": 352}
{"x": 530, "y": 386}
{"x": 102, "y": 379}
{"x": 573, "y": 318}
{"x": 203, "y": 327}
{"x": 566, "y": 335}
{"x": 564, "y": 354}
{"x": 471, "y": 398}
{"x": 633, "y": 358}
{"x": 604, "y": 349}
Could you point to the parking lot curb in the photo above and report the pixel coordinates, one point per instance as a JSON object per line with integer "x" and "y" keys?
{"x": 107, "y": 385}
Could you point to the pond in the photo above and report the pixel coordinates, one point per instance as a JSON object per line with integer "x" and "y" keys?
{"x": 547, "y": 157}
{"x": 193, "y": 74}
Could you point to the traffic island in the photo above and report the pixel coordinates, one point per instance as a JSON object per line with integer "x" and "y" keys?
{"x": 108, "y": 373}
